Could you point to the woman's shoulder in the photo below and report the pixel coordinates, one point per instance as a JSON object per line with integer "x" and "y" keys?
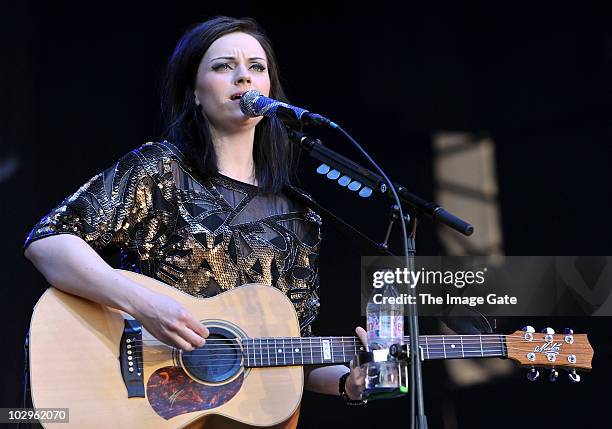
{"x": 157, "y": 151}
{"x": 151, "y": 157}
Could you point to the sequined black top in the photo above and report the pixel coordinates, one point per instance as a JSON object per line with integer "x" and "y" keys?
{"x": 200, "y": 235}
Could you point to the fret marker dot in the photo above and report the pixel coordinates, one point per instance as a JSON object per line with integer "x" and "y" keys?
{"x": 280, "y": 350}
{"x": 297, "y": 350}
{"x": 452, "y": 346}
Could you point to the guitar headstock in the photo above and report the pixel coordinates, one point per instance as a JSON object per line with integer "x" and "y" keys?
{"x": 547, "y": 349}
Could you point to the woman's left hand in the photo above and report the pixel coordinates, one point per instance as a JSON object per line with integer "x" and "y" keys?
{"x": 355, "y": 383}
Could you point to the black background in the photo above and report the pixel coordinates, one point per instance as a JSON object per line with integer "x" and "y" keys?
{"x": 80, "y": 87}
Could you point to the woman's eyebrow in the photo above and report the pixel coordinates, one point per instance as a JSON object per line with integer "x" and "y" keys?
{"x": 234, "y": 58}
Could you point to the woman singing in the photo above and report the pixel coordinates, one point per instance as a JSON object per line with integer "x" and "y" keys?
{"x": 205, "y": 210}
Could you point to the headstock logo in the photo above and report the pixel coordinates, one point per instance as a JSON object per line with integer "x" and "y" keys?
{"x": 549, "y": 348}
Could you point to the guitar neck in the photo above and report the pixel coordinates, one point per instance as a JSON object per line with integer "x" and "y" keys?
{"x": 283, "y": 351}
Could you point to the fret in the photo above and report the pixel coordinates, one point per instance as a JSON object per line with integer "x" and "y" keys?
{"x": 296, "y": 350}
{"x": 245, "y": 343}
{"x": 462, "y": 352}
{"x": 342, "y": 345}
{"x": 254, "y": 356}
{"x": 443, "y": 347}
{"x": 260, "y": 353}
{"x": 481, "y": 351}
{"x": 452, "y": 350}
{"x": 471, "y": 347}
{"x": 311, "y": 358}
{"x": 292, "y": 355}
{"x": 288, "y": 351}
{"x": 426, "y": 346}
{"x": 301, "y": 343}
{"x": 268, "y": 347}
{"x": 283, "y": 352}
{"x": 276, "y": 352}
{"x": 436, "y": 348}
{"x": 331, "y": 346}
{"x": 326, "y": 352}
{"x": 321, "y": 349}
{"x": 493, "y": 346}
{"x": 299, "y": 349}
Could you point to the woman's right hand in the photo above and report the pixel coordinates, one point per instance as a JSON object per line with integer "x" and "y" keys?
{"x": 170, "y": 322}
{"x": 71, "y": 265}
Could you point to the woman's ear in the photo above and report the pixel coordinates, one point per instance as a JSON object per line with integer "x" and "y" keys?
{"x": 197, "y": 102}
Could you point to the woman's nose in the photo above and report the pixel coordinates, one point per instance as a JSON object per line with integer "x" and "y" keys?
{"x": 242, "y": 75}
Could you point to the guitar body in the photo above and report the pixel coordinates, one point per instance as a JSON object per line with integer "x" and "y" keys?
{"x": 74, "y": 364}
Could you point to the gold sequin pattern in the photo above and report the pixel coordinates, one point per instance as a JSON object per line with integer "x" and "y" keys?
{"x": 200, "y": 235}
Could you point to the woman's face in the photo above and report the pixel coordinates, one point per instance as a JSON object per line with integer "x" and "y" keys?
{"x": 232, "y": 65}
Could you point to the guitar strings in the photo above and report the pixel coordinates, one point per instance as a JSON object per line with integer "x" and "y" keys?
{"x": 406, "y": 339}
{"x": 341, "y": 344}
{"x": 262, "y": 354}
{"x": 273, "y": 362}
{"x": 256, "y": 354}
{"x": 216, "y": 361}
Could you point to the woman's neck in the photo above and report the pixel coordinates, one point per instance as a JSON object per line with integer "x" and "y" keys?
{"x": 234, "y": 153}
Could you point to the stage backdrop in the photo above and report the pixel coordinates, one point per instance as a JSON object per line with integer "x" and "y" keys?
{"x": 80, "y": 88}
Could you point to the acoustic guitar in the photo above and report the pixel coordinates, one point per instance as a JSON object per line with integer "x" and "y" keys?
{"x": 110, "y": 373}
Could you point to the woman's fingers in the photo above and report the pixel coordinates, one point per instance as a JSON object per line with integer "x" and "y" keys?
{"x": 363, "y": 335}
{"x": 196, "y": 326}
{"x": 191, "y": 337}
{"x": 177, "y": 341}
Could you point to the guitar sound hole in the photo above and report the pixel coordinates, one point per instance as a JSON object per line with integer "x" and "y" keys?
{"x": 218, "y": 360}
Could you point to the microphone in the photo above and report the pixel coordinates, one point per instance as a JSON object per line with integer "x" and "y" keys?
{"x": 253, "y": 103}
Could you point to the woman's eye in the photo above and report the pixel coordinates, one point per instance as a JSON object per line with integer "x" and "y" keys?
{"x": 258, "y": 67}
{"x": 221, "y": 67}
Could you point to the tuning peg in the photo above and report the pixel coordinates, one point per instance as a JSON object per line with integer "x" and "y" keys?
{"x": 574, "y": 378}
{"x": 553, "y": 376}
{"x": 533, "y": 374}
{"x": 529, "y": 329}
{"x": 568, "y": 331}
{"x": 549, "y": 331}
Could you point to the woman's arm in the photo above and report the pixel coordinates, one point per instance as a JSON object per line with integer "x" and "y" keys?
{"x": 70, "y": 264}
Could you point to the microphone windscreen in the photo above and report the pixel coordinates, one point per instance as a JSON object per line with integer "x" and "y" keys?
{"x": 247, "y": 103}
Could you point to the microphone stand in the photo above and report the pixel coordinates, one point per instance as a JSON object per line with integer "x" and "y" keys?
{"x": 317, "y": 150}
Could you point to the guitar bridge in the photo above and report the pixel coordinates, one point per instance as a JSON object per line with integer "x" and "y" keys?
{"x": 130, "y": 358}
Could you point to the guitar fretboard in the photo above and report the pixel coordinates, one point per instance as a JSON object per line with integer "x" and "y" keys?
{"x": 284, "y": 351}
